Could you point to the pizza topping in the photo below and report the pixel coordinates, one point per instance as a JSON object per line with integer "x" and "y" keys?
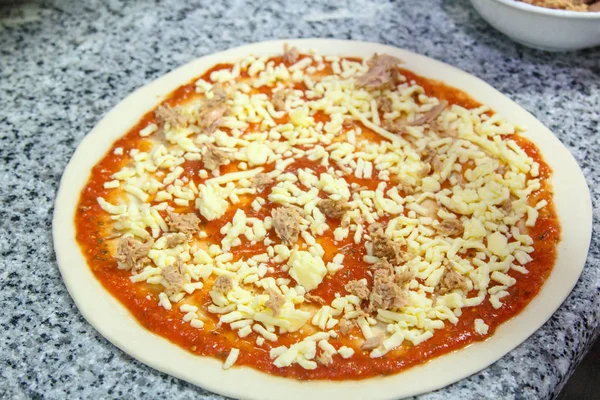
{"x": 370, "y": 172}
{"x": 184, "y": 223}
{"x": 275, "y": 301}
{"x": 278, "y": 99}
{"x": 290, "y": 54}
{"x": 436, "y": 164}
{"x": 431, "y": 114}
{"x": 382, "y": 74}
{"x": 223, "y": 284}
{"x": 372, "y": 342}
{"x": 261, "y": 181}
{"x": 175, "y": 239}
{"x": 346, "y": 352}
{"x": 314, "y": 298}
{"x": 306, "y": 269}
{"x": 213, "y": 111}
{"x": 404, "y": 276}
{"x": 333, "y": 208}
{"x": 452, "y": 280}
{"x": 324, "y": 359}
{"x": 170, "y": 115}
{"x": 147, "y": 131}
{"x": 384, "y": 247}
{"x": 424, "y": 171}
{"x": 506, "y": 206}
{"x": 450, "y": 227}
{"x": 385, "y": 104}
{"x": 481, "y": 327}
{"x": 211, "y": 201}
{"x": 346, "y": 326}
{"x": 132, "y": 254}
{"x": 358, "y": 288}
{"x": 231, "y": 358}
{"x": 387, "y": 293}
{"x": 173, "y": 278}
{"x": 286, "y": 221}
{"x": 397, "y": 126}
{"x": 213, "y": 157}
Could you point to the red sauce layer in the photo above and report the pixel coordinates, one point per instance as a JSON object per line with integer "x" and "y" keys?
{"x": 142, "y": 299}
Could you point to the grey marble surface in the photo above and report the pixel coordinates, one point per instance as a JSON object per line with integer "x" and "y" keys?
{"x": 64, "y": 64}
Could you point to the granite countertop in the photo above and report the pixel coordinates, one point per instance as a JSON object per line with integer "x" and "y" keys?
{"x": 63, "y": 64}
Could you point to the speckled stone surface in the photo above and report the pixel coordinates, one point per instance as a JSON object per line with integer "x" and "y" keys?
{"x": 64, "y": 64}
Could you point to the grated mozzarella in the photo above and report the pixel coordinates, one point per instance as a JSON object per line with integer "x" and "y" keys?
{"x": 471, "y": 178}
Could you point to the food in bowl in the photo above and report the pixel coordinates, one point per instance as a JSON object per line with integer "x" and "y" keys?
{"x": 571, "y": 5}
{"x": 555, "y": 30}
{"x": 320, "y": 217}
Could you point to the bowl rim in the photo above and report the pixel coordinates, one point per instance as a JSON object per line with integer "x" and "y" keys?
{"x": 520, "y": 5}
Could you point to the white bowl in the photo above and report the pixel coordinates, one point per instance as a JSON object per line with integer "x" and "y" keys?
{"x": 539, "y": 27}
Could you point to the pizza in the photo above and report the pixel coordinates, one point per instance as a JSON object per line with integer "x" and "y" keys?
{"x": 320, "y": 217}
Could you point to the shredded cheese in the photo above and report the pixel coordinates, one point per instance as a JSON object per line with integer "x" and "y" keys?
{"x": 334, "y": 145}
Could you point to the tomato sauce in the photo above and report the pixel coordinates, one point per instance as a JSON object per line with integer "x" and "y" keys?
{"x": 93, "y": 230}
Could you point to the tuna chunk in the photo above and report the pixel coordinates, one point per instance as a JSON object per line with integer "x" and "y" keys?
{"x": 211, "y": 115}
{"x": 173, "y": 277}
{"x": 570, "y": 5}
{"x": 383, "y": 266}
{"x": 387, "y": 288}
{"x": 175, "y": 239}
{"x": 386, "y": 294}
{"x": 133, "y": 254}
{"x": 427, "y": 154}
{"x": 346, "y": 326}
{"x": 384, "y": 247}
{"x": 385, "y": 104}
{"x": 286, "y": 221}
{"x": 213, "y": 157}
{"x": 506, "y": 206}
{"x": 333, "y": 208}
{"x": 450, "y": 227}
{"x": 431, "y": 114}
{"x": 164, "y": 114}
{"x": 431, "y": 157}
{"x": 183, "y": 223}
{"x": 382, "y": 74}
{"x": 397, "y": 126}
{"x": 358, "y": 288}
{"x": 436, "y": 164}
{"x": 324, "y": 359}
{"x": 404, "y": 277}
{"x": 430, "y": 207}
{"x": 223, "y": 284}
{"x": 278, "y": 99}
{"x": 313, "y": 298}
{"x": 261, "y": 181}
{"x": 372, "y": 342}
{"x": 290, "y": 54}
{"x": 275, "y": 301}
{"x": 452, "y": 280}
